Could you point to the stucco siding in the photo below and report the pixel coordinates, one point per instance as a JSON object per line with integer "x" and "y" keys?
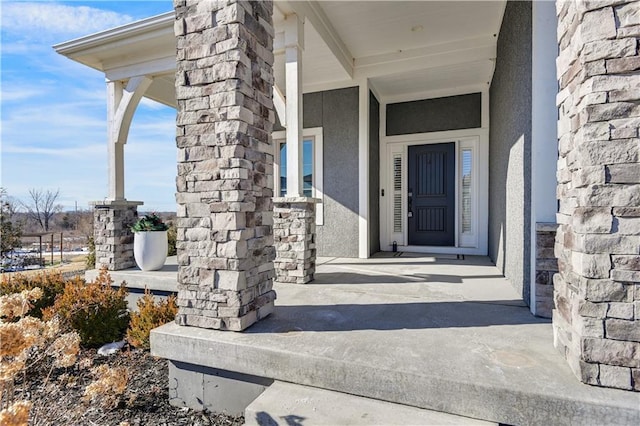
{"x": 336, "y": 111}
{"x": 434, "y": 115}
{"x": 510, "y": 149}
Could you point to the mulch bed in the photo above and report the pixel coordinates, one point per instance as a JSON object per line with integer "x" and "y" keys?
{"x": 59, "y": 400}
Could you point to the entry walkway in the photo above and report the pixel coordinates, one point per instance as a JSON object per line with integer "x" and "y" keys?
{"x": 432, "y": 332}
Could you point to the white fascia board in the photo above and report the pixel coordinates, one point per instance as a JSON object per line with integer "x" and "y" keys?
{"x": 312, "y": 11}
{"x": 79, "y": 49}
{"x": 118, "y": 33}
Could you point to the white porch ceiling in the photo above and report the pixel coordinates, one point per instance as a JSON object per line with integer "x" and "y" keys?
{"x": 404, "y": 48}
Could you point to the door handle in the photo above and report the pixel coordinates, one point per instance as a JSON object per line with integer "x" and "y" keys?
{"x": 410, "y": 204}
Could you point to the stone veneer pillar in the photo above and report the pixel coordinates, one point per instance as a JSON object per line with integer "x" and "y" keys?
{"x": 294, "y": 233}
{"x": 225, "y": 117}
{"x": 546, "y": 267}
{"x": 112, "y": 236}
{"x": 596, "y": 319}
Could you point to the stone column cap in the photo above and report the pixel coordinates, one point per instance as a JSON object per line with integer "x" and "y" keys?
{"x": 546, "y": 226}
{"x": 296, "y": 200}
{"x": 115, "y": 203}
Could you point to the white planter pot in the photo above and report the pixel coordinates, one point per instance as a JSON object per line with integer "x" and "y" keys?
{"x": 150, "y": 249}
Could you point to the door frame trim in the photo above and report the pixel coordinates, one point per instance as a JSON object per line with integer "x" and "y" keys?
{"x": 391, "y": 145}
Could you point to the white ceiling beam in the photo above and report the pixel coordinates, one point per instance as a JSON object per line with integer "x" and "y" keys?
{"x": 418, "y": 60}
{"x": 430, "y": 50}
{"x": 155, "y": 66}
{"x": 313, "y": 12}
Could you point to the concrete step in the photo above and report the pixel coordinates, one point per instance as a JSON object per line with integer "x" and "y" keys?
{"x": 289, "y": 404}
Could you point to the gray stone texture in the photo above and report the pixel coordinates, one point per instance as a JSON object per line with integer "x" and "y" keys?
{"x": 598, "y": 241}
{"x": 510, "y": 149}
{"x": 294, "y": 234}
{"x": 224, "y": 185}
{"x": 546, "y": 267}
{"x": 112, "y": 221}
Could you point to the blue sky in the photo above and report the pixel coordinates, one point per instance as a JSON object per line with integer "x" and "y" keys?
{"x": 53, "y": 110}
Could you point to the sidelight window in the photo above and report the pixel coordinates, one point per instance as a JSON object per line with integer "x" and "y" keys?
{"x": 312, "y": 167}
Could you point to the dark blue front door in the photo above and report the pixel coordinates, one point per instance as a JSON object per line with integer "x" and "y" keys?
{"x": 431, "y": 202}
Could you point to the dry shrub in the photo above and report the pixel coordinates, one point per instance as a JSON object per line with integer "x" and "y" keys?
{"x": 95, "y": 310}
{"x": 16, "y": 415}
{"x": 13, "y": 306}
{"x": 110, "y": 384}
{"x": 26, "y": 343}
{"x": 51, "y": 283}
{"x": 151, "y": 314}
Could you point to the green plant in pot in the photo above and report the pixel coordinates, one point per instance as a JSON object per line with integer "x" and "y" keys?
{"x": 150, "y": 242}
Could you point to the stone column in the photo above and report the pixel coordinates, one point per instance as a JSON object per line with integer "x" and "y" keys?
{"x": 294, "y": 232}
{"x": 596, "y": 319}
{"x": 546, "y": 267}
{"x": 225, "y": 117}
{"x": 112, "y": 235}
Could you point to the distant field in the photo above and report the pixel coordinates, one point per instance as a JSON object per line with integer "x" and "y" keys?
{"x": 73, "y": 263}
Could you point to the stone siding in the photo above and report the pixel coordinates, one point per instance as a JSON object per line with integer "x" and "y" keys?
{"x": 596, "y": 318}
{"x": 294, "y": 233}
{"x": 225, "y": 117}
{"x": 112, "y": 221}
{"x": 546, "y": 267}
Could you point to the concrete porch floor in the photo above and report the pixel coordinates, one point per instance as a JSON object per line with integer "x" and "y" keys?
{"x": 428, "y": 331}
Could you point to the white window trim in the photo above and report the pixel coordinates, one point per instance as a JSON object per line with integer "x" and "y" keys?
{"x": 469, "y": 239}
{"x": 314, "y": 133}
{"x": 477, "y": 139}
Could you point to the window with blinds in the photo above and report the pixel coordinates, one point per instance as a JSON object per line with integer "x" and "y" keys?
{"x": 467, "y": 161}
{"x": 397, "y": 193}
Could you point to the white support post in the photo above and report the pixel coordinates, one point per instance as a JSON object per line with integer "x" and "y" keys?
{"x": 544, "y": 137}
{"x": 122, "y": 102}
{"x": 294, "y": 43}
{"x": 363, "y": 170}
{"x": 116, "y": 149}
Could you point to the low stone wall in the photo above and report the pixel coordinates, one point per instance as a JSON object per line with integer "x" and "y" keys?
{"x": 78, "y": 273}
{"x": 294, "y": 236}
{"x": 546, "y": 266}
{"x": 112, "y": 235}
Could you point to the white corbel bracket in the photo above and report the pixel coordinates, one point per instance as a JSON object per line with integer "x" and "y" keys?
{"x": 122, "y": 102}
{"x": 125, "y": 101}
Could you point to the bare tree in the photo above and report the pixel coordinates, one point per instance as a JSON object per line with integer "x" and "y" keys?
{"x": 84, "y": 222}
{"x": 42, "y": 206}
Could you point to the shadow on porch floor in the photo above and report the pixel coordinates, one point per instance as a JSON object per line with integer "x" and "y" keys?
{"x": 438, "y": 333}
